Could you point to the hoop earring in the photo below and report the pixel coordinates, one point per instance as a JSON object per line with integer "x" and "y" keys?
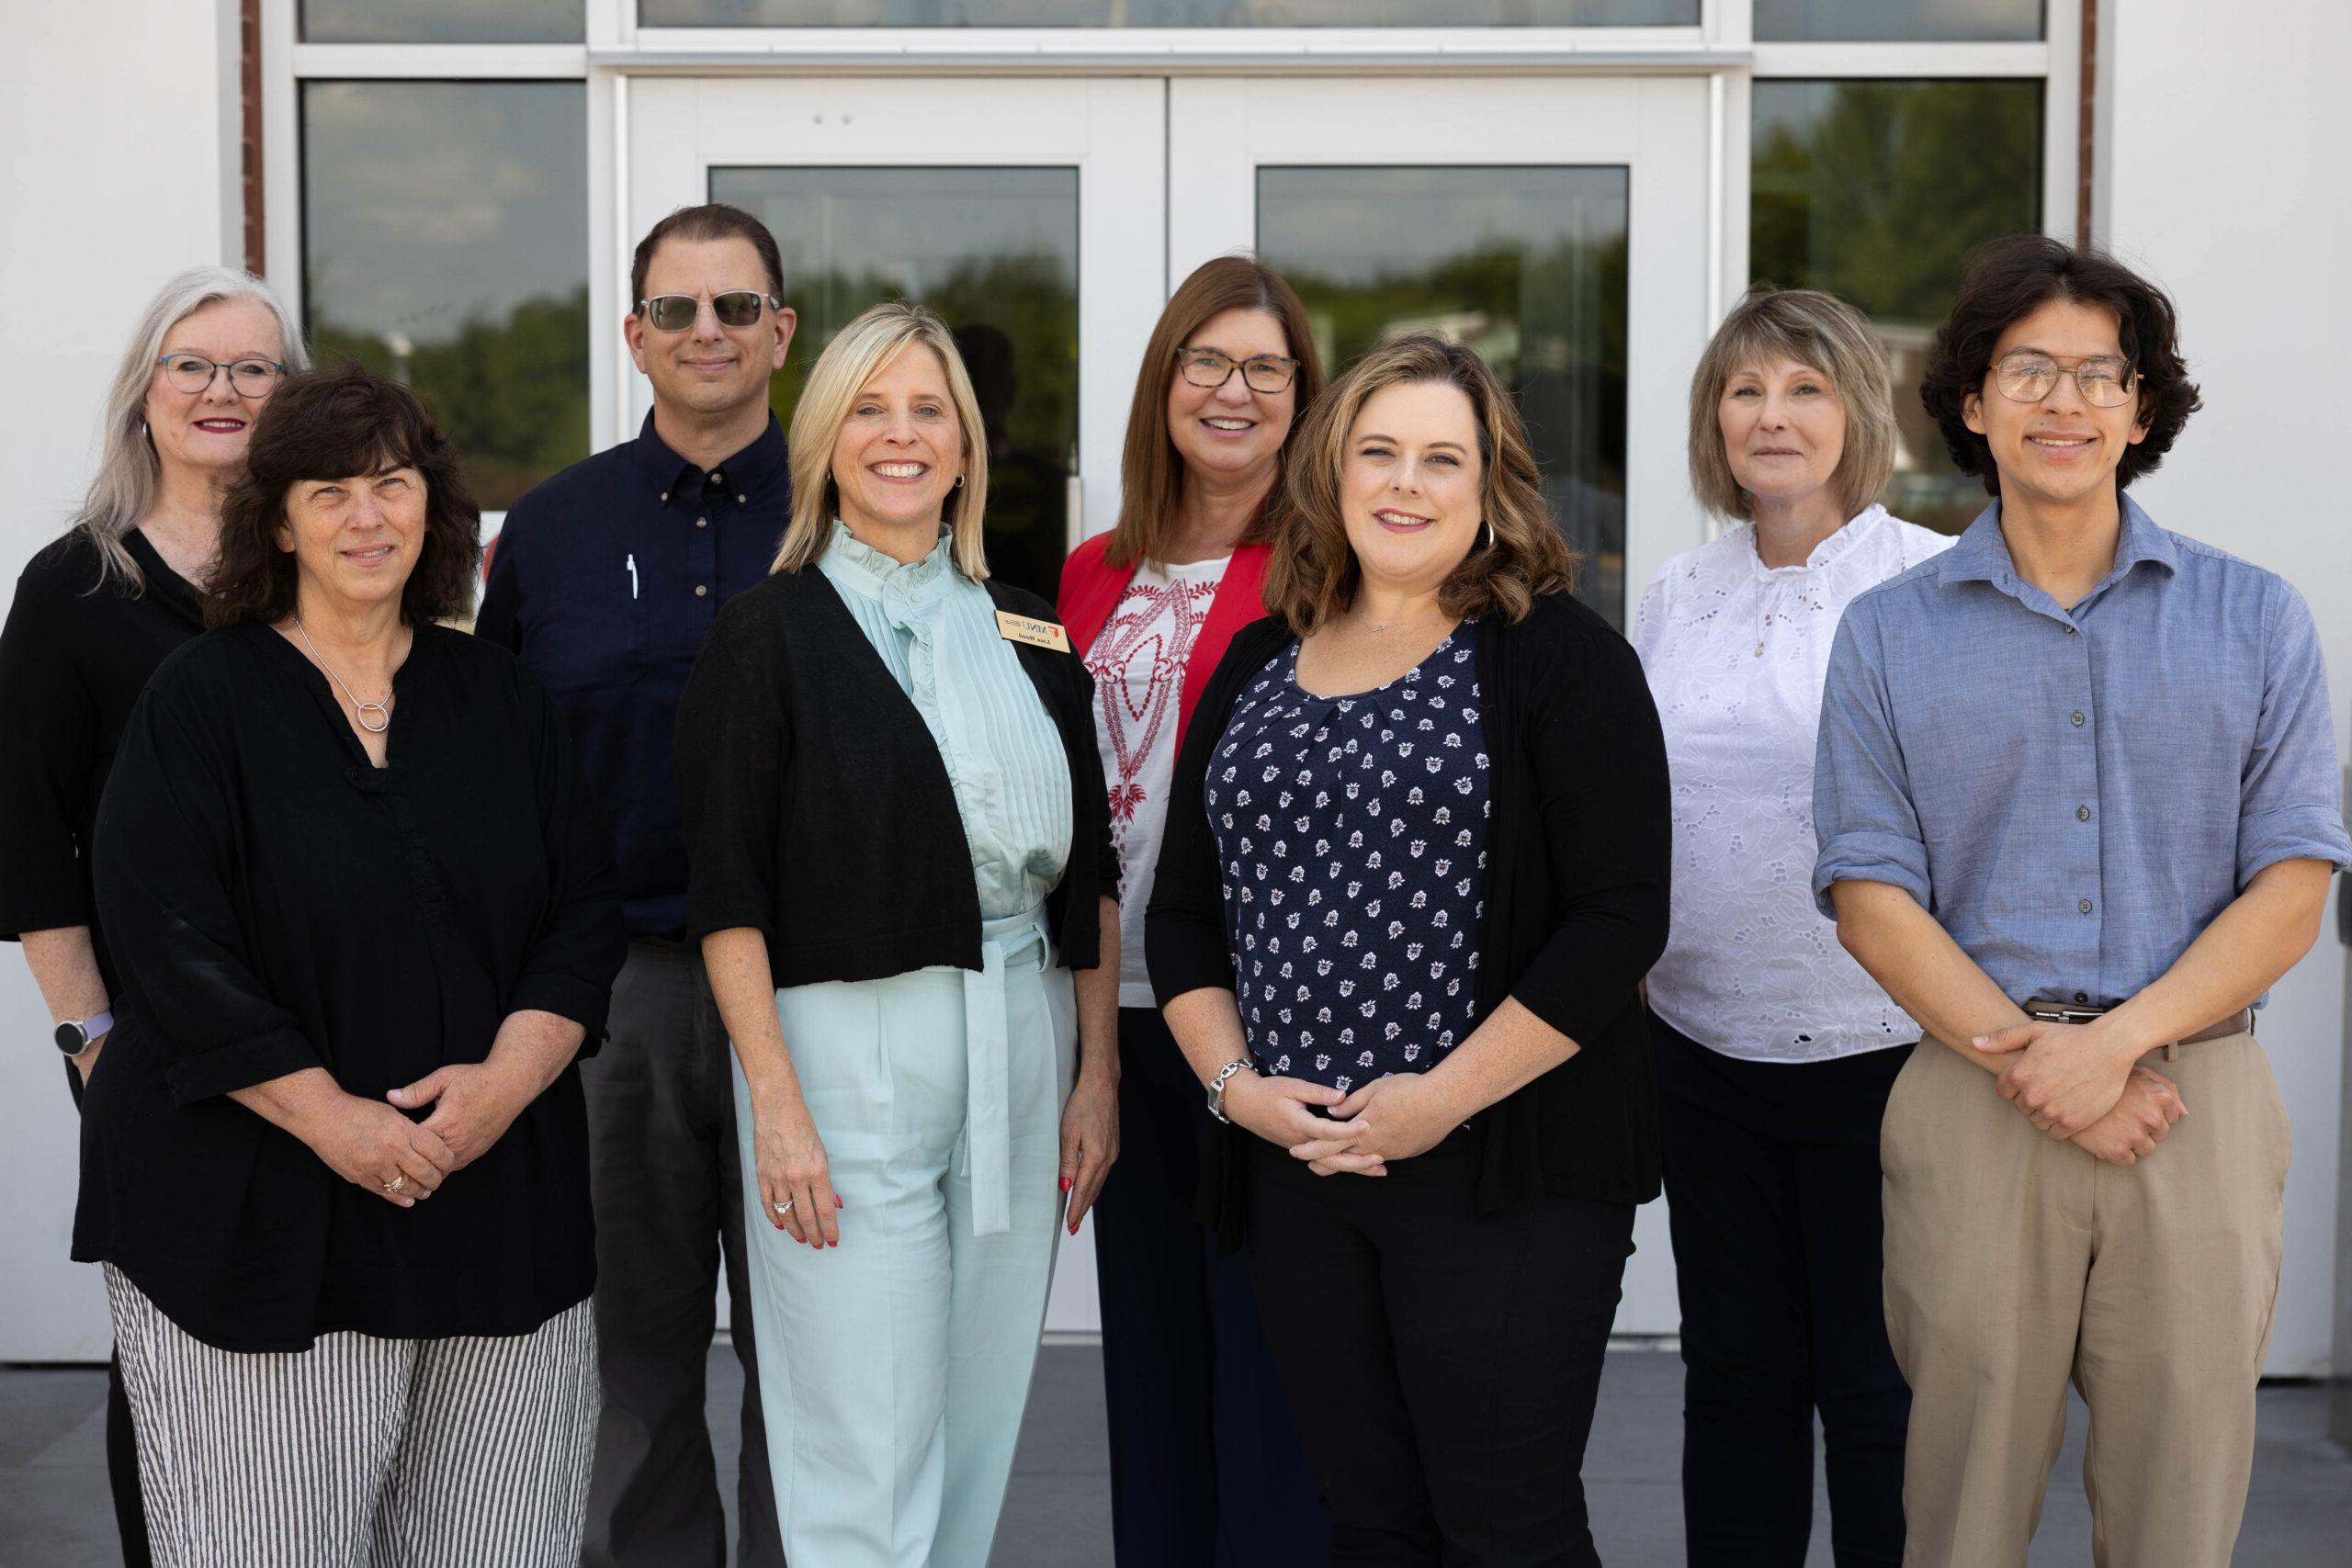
{"x": 958, "y": 484}
{"x": 1490, "y": 533}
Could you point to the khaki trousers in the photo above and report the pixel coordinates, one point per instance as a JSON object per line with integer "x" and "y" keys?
{"x": 2015, "y": 1262}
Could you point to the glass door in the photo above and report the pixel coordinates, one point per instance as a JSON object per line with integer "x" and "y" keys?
{"x": 1026, "y": 213}
{"x": 1393, "y": 202}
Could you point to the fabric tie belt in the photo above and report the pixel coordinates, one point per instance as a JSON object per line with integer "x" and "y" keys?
{"x": 988, "y": 1115}
{"x": 2049, "y": 1011}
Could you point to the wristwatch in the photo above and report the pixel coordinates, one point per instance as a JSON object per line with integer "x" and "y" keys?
{"x": 1216, "y": 1087}
{"x": 73, "y": 1036}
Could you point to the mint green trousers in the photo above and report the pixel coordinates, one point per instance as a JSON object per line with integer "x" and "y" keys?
{"x": 902, "y": 1358}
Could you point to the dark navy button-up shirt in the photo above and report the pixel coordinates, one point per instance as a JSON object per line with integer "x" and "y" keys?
{"x": 2075, "y": 794}
{"x": 605, "y": 581}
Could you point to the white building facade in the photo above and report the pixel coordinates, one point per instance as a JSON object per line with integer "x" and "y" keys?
{"x": 451, "y": 188}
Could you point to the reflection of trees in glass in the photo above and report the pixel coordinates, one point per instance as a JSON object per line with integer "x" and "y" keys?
{"x": 1552, "y": 323}
{"x": 1016, "y": 319}
{"x": 512, "y": 392}
{"x": 1876, "y": 191}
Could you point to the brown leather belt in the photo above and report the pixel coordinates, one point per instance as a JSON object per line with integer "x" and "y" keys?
{"x": 2050, "y": 1011}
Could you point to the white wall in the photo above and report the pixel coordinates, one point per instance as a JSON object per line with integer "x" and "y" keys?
{"x": 2223, "y": 134}
{"x": 121, "y": 168}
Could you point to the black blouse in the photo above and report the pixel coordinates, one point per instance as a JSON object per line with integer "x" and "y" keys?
{"x": 1578, "y": 845}
{"x": 277, "y": 903}
{"x": 72, "y": 662}
{"x": 819, "y": 812}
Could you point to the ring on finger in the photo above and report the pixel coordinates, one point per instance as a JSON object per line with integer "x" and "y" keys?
{"x": 396, "y": 1183}
{"x": 785, "y": 1207}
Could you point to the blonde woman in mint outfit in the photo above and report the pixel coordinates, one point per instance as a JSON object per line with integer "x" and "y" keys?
{"x": 1205, "y": 1466}
{"x": 907, "y": 903}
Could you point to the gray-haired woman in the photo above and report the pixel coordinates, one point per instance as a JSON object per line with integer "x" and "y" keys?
{"x": 1774, "y": 1051}
{"x": 95, "y": 612}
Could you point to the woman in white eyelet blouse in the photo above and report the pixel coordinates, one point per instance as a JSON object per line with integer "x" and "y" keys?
{"x": 1774, "y": 1051}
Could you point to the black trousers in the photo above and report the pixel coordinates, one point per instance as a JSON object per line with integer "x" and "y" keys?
{"x": 667, "y": 1180}
{"x": 1772, "y": 1196}
{"x": 1207, "y": 1470}
{"x": 122, "y": 1444}
{"x": 1444, "y": 1366}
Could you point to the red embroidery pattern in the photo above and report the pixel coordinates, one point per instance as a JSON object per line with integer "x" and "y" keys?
{"x": 1137, "y": 663}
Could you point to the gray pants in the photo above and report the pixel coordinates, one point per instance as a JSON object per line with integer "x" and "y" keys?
{"x": 669, "y": 1209}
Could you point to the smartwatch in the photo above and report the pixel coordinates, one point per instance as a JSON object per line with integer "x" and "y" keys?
{"x": 73, "y": 1036}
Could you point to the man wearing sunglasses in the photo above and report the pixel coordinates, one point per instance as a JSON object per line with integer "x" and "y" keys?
{"x": 2077, "y": 802}
{"x": 605, "y": 580}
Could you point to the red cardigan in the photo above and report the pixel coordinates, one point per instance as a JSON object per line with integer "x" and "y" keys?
{"x": 1090, "y": 589}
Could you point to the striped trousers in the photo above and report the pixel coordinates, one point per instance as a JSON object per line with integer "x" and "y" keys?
{"x": 361, "y": 1452}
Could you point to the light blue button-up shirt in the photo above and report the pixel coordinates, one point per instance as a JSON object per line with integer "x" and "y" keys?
{"x": 2076, "y": 794}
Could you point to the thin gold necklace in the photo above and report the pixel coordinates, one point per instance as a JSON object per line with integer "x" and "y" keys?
{"x": 384, "y": 719}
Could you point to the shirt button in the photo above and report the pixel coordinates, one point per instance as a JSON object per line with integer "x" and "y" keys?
{"x": 2077, "y": 721}
{"x": 743, "y": 501}
{"x": 717, "y": 478}
{"x": 2082, "y": 813}
{"x": 2071, "y": 630}
{"x": 2081, "y": 998}
{"x": 2085, "y": 905}
{"x": 702, "y": 590}
{"x": 702, "y": 522}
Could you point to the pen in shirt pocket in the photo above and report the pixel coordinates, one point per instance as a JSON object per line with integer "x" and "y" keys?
{"x": 631, "y": 563}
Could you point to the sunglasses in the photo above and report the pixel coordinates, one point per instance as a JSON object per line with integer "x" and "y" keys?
{"x": 676, "y": 312}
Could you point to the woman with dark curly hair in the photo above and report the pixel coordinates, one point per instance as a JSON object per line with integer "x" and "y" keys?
{"x": 2078, "y": 801}
{"x": 1416, "y": 869}
{"x": 366, "y": 918}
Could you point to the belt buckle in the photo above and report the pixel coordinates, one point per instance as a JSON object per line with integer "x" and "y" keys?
{"x": 2063, "y": 1012}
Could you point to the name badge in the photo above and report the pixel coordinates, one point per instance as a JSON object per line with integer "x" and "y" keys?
{"x": 1036, "y": 633}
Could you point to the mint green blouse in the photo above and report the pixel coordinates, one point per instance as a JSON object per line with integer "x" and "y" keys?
{"x": 935, "y": 630}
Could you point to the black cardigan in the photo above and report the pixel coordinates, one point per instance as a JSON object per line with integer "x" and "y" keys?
{"x": 820, "y": 814}
{"x": 1579, "y": 844}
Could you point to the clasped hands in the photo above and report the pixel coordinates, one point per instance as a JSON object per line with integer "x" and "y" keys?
{"x": 361, "y": 1139}
{"x": 1391, "y": 1118}
{"x": 2081, "y": 1083}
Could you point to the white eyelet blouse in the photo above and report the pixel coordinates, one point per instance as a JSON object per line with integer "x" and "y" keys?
{"x": 1737, "y": 653}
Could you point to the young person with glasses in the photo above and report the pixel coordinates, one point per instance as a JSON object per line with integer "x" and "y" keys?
{"x": 1205, "y": 1462}
{"x": 606, "y": 581}
{"x": 2078, "y": 801}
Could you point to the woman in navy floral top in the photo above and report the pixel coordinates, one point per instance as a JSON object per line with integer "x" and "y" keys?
{"x": 1398, "y": 939}
{"x": 1354, "y": 832}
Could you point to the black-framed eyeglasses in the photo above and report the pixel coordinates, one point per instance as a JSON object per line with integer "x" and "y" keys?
{"x": 2105, "y": 381}
{"x": 193, "y": 373}
{"x": 735, "y": 308}
{"x": 1260, "y": 373}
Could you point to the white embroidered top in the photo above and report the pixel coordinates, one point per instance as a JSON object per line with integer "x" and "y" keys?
{"x": 1137, "y": 661}
{"x": 1737, "y": 653}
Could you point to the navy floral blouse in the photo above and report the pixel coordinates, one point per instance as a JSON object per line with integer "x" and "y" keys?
{"x": 1352, "y": 833}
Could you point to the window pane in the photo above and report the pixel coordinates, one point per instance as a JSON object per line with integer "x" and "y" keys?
{"x": 1897, "y": 21}
{"x": 443, "y": 21}
{"x": 1527, "y": 265}
{"x": 1164, "y": 13}
{"x": 994, "y": 254}
{"x": 1876, "y": 191}
{"x": 444, "y": 242}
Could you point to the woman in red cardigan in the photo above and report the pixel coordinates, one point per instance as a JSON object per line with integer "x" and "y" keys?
{"x": 1205, "y": 1465}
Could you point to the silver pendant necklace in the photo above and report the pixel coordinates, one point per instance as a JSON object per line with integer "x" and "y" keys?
{"x": 382, "y": 711}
